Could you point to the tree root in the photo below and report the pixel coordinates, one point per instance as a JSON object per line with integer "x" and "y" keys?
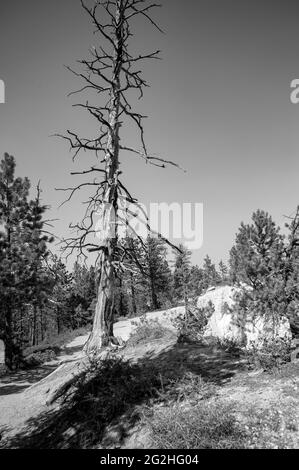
{"x": 59, "y": 383}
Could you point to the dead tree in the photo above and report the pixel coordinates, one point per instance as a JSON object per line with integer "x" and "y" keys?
{"x": 113, "y": 73}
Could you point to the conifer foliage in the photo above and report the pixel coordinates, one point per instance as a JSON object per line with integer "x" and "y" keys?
{"x": 37, "y": 294}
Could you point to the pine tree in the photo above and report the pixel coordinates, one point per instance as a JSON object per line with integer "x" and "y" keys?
{"x": 223, "y": 271}
{"x": 258, "y": 260}
{"x": 257, "y": 250}
{"x": 290, "y": 275}
{"x": 13, "y": 210}
{"x": 133, "y": 286}
{"x": 61, "y": 294}
{"x": 37, "y": 281}
{"x": 210, "y": 275}
{"x": 81, "y": 294}
{"x": 196, "y": 281}
{"x": 182, "y": 274}
{"x": 157, "y": 274}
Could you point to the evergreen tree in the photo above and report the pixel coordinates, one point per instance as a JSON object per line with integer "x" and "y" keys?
{"x": 156, "y": 277}
{"x": 257, "y": 251}
{"x": 223, "y": 271}
{"x": 37, "y": 281}
{"x": 82, "y": 294}
{"x": 61, "y": 294}
{"x": 13, "y": 210}
{"x": 196, "y": 281}
{"x": 291, "y": 275}
{"x": 210, "y": 275}
{"x": 182, "y": 274}
{"x": 258, "y": 260}
{"x": 133, "y": 289}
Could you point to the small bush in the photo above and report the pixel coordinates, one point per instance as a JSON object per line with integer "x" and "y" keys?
{"x": 41, "y": 349}
{"x": 205, "y": 426}
{"x": 191, "y": 327}
{"x": 229, "y": 345}
{"x": 147, "y": 330}
{"x": 40, "y": 357}
{"x": 271, "y": 355}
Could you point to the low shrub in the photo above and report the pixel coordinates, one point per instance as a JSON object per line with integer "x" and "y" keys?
{"x": 270, "y": 355}
{"x": 41, "y": 349}
{"x": 229, "y": 345}
{"x": 38, "y": 358}
{"x": 191, "y": 325}
{"x": 147, "y": 330}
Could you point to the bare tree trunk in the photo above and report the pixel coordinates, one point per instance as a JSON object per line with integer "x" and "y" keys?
{"x": 102, "y": 329}
{"x": 103, "y": 319}
{"x": 111, "y": 72}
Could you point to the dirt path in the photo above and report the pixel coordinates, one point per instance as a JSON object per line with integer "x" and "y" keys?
{"x": 27, "y": 422}
{"x": 17, "y": 406}
{"x": 24, "y": 394}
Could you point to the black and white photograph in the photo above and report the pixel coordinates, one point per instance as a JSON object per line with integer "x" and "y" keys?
{"x": 149, "y": 228}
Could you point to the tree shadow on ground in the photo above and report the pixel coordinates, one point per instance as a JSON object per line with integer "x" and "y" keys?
{"x": 110, "y": 394}
{"x": 17, "y": 381}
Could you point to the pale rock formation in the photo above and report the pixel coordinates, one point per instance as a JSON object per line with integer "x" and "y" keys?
{"x": 225, "y": 322}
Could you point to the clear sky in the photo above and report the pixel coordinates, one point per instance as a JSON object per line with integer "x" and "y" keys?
{"x": 219, "y": 105}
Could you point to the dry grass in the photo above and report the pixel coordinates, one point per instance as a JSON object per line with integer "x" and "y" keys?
{"x": 204, "y": 426}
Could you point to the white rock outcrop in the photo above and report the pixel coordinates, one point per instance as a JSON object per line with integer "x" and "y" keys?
{"x": 226, "y": 323}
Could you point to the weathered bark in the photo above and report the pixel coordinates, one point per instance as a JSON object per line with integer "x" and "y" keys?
{"x": 102, "y": 329}
{"x": 112, "y": 73}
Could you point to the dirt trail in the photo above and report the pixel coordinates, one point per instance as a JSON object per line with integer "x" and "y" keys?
{"x": 17, "y": 406}
{"x": 27, "y": 422}
{"x": 33, "y": 424}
